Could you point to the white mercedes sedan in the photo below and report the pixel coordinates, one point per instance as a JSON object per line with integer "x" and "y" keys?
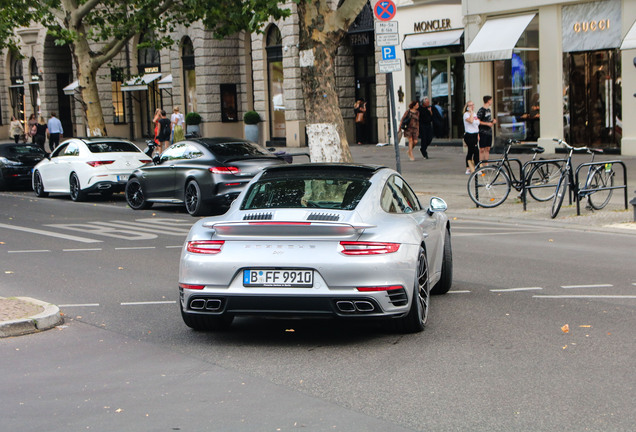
{"x": 81, "y": 166}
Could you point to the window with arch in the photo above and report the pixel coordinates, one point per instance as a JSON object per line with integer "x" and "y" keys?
{"x": 34, "y": 87}
{"x": 16, "y": 89}
{"x": 148, "y": 58}
{"x": 189, "y": 76}
{"x": 275, "y": 78}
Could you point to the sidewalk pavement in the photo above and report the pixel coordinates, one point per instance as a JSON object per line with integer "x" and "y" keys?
{"x": 442, "y": 175}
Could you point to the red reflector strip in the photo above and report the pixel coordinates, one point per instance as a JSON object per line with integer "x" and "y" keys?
{"x": 209, "y": 247}
{"x": 145, "y": 160}
{"x": 232, "y": 184}
{"x": 224, "y": 170}
{"x": 280, "y": 223}
{"x": 380, "y": 288}
{"x": 95, "y": 164}
{"x": 189, "y": 286}
{"x": 367, "y": 248}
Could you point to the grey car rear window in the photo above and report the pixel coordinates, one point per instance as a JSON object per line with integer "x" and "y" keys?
{"x": 330, "y": 193}
{"x": 235, "y": 149}
{"x": 112, "y": 147}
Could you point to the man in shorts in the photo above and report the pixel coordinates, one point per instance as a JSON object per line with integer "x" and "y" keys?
{"x": 486, "y": 123}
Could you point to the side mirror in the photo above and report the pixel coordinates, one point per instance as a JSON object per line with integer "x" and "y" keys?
{"x": 437, "y": 205}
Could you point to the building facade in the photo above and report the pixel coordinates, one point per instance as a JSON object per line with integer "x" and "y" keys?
{"x": 556, "y": 69}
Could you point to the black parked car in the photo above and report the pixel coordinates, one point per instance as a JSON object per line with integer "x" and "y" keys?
{"x": 17, "y": 162}
{"x": 205, "y": 174}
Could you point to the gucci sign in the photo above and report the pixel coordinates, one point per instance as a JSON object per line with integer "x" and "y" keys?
{"x": 586, "y": 26}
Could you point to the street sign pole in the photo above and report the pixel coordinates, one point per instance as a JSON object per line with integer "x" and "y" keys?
{"x": 393, "y": 123}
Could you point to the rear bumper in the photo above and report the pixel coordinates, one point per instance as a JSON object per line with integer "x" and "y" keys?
{"x": 106, "y": 186}
{"x": 343, "y": 306}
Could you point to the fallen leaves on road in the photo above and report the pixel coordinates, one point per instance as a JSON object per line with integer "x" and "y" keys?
{"x": 565, "y": 329}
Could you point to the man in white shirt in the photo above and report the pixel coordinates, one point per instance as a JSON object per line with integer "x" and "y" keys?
{"x": 54, "y": 131}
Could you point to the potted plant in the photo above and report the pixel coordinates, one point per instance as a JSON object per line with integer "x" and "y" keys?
{"x": 192, "y": 120}
{"x": 251, "y": 120}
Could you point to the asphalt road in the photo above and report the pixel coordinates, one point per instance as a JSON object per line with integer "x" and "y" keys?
{"x": 494, "y": 356}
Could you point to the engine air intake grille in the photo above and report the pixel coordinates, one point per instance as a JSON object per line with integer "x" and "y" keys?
{"x": 323, "y": 217}
{"x": 397, "y": 297}
{"x": 258, "y": 216}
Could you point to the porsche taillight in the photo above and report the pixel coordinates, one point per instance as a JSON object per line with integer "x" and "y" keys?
{"x": 210, "y": 247}
{"x": 367, "y": 248}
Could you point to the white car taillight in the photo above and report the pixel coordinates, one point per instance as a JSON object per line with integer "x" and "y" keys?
{"x": 210, "y": 247}
{"x": 367, "y": 248}
{"x": 95, "y": 164}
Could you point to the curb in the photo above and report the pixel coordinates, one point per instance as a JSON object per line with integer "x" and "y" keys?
{"x": 50, "y": 318}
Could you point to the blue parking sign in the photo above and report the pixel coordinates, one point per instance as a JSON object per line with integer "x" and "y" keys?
{"x": 388, "y": 53}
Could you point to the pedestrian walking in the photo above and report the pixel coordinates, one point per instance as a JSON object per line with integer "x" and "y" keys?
{"x": 426, "y": 126}
{"x": 31, "y": 127}
{"x": 163, "y": 135}
{"x": 54, "y": 132}
{"x": 410, "y": 124}
{"x": 15, "y": 129}
{"x": 471, "y": 136}
{"x": 486, "y": 123}
{"x": 359, "y": 110}
{"x": 40, "y": 134}
{"x": 178, "y": 121}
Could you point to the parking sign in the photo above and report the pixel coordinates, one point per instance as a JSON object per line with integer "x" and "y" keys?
{"x": 388, "y": 53}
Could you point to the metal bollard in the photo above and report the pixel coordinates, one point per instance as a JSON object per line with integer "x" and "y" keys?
{"x": 633, "y": 203}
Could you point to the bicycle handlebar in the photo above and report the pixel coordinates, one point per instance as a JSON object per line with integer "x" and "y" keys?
{"x": 569, "y": 147}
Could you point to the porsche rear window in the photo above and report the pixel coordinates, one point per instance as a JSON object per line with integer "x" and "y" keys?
{"x": 112, "y": 147}
{"x": 326, "y": 193}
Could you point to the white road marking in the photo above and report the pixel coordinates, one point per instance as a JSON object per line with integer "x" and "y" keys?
{"x": 517, "y": 289}
{"x": 135, "y": 248}
{"x": 474, "y": 234}
{"x": 49, "y": 233}
{"x": 148, "y": 303}
{"x": 138, "y": 226}
{"x": 586, "y": 296}
{"x": 29, "y": 251}
{"x": 459, "y": 292}
{"x": 174, "y": 247}
{"x": 80, "y": 305}
{"x": 587, "y": 286}
{"x": 82, "y": 250}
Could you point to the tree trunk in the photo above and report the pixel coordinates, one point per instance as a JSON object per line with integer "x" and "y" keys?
{"x": 87, "y": 77}
{"x": 324, "y": 123}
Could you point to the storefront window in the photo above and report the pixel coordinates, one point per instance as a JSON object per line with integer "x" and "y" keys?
{"x": 16, "y": 89}
{"x": 275, "y": 78}
{"x": 116, "y": 80}
{"x": 189, "y": 76}
{"x": 438, "y": 74}
{"x": 517, "y": 103}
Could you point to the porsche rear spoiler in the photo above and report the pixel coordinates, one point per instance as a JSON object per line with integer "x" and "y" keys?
{"x": 296, "y": 229}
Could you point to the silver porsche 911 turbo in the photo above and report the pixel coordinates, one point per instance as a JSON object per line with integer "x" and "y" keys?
{"x": 318, "y": 240}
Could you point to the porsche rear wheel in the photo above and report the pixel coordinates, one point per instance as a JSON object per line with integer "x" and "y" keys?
{"x": 415, "y": 320}
{"x": 446, "y": 278}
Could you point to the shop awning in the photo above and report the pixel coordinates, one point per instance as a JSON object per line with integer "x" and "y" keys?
{"x": 432, "y": 40}
{"x": 140, "y": 83}
{"x": 629, "y": 42}
{"x": 497, "y": 38}
{"x": 165, "y": 82}
{"x": 70, "y": 89}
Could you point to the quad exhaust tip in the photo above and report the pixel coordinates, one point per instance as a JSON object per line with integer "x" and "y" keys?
{"x": 353, "y": 306}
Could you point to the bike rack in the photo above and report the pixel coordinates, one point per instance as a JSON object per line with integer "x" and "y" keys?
{"x": 525, "y": 170}
{"x": 497, "y": 161}
{"x": 578, "y": 191}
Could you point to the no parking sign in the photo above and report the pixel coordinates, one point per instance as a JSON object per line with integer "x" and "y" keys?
{"x": 385, "y": 10}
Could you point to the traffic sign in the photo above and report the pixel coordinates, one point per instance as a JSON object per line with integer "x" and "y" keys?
{"x": 385, "y": 10}
{"x": 388, "y": 53}
{"x": 388, "y": 39}
{"x": 388, "y": 66}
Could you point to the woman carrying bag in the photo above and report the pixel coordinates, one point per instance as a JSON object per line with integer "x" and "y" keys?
{"x": 15, "y": 129}
{"x": 410, "y": 124}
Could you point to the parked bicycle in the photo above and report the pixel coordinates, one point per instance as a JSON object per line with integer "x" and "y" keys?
{"x": 490, "y": 185}
{"x": 598, "y": 185}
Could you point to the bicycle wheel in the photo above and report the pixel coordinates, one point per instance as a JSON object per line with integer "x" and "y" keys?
{"x": 600, "y": 179}
{"x": 559, "y": 195}
{"x": 543, "y": 179}
{"x": 488, "y": 186}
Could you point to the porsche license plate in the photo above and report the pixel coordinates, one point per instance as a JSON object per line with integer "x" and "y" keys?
{"x": 278, "y": 278}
